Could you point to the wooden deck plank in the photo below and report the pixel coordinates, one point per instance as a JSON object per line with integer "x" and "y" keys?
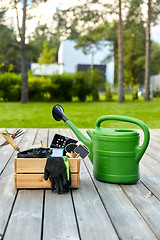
{"x": 59, "y": 217}
{"x": 26, "y": 219}
{"x": 153, "y": 153}
{"x": 146, "y": 203}
{"x": 89, "y": 208}
{"x": 149, "y": 175}
{"x": 7, "y": 190}
{"x": 120, "y": 207}
{"x": 93, "y": 220}
{"x": 6, "y": 151}
{"x": 96, "y": 210}
{"x": 26, "y": 214}
{"x": 122, "y": 212}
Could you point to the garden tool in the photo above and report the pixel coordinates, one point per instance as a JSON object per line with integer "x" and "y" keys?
{"x": 10, "y": 138}
{"x": 114, "y": 153}
{"x": 75, "y": 150}
{"x": 35, "y": 153}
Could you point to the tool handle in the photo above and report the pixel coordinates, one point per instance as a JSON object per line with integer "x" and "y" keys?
{"x": 9, "y": 138}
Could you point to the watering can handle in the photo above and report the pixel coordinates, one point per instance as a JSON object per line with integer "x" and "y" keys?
{"x": 140, "y": 149}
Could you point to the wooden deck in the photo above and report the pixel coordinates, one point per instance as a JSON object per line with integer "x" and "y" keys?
{"x": 95, "y": 211}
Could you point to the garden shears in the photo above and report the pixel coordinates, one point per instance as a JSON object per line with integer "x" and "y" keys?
{"x": 10, "y": 138}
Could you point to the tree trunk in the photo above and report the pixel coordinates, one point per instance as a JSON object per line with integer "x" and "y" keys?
{"x": 120, "y": 57}
{"x": 24, "y": 94}
{"x": 148, "y": 51}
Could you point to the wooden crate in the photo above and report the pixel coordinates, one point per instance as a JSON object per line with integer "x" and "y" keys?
{"x": 29, "y": 173}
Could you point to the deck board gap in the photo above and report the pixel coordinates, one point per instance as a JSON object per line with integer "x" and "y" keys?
{"x": 35, "y": 137}
{"x": 149, "y": 189}
{"x": 5, "y": 229}
{"x": 74, "y": 208}
{"x": 42, "y": 223}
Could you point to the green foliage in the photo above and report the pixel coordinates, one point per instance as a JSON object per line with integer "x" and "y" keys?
{"x": 10, "y": 87}
{"x": 88, "y": 83}
{"x": 96, "y": 82}
{"x": 38, "y": 87}
{"x": 48, "y": 54}
{"x": 81, "y": 86}
{"x": 108, "y": 92}
{"x": 8, "y": 49}
{"x": 129, "y": 79}
{"x": 155, "y": 58}
{"x": 135, "y": 92}
{"x": 50, "y": 88}
{"x": 63, "y": 87}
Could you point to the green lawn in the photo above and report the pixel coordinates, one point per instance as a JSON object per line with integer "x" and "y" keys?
{"x": 83, "y": 115}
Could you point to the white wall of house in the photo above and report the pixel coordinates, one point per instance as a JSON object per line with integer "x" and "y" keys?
{"x": 69, "y": 57}
{"x": 155, "y": 81}
{"x": 45, "y": 69}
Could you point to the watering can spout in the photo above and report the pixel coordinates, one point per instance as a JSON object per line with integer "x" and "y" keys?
{"x": 58, "y": 114}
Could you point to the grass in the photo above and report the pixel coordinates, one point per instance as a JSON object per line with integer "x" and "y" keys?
{"x": 83, "y": 115}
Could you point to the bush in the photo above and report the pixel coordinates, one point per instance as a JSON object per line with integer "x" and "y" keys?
{"x": 61, "y": 88}
{"x": 96, "y": 81}
{"x": 81, "y": 86}
{"x": 135, "y": 93}
{"x": 108, "y": 92}
{"x": 38, "y": 88}
{"x": 10, "y": 87}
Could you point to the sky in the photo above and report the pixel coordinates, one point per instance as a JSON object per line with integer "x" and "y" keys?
{"x": 155, "y": 33}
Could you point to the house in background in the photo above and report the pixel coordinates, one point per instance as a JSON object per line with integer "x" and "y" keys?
{"x": 71, "y": 60}
{"x": 44, "y": 69}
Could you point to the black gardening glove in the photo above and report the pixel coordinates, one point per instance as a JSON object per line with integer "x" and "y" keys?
{"x": 57, "y": 170}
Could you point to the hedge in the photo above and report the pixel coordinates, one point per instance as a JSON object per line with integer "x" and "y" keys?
{"x": 49, "y": 88}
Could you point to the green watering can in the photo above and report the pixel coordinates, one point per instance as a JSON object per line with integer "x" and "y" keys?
{"x": 114, "y": 153}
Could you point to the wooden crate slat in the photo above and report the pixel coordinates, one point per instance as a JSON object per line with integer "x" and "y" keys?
{"x": 37, "y": 181}
{"x": 37, "y": 165}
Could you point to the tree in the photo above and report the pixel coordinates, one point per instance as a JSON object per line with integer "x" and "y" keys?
{"x": 151, "y": 17}
{"x": 134, "y": 43}
{"x": 48, "y": 55}
{"x": 148, "y": 52}
{"x": 36, "y": 39}
{"x": 22, "y": 43}
{"x": 8, "y": 50}
{"x": 120, "y": 55}
{"x": 89, "y": 17}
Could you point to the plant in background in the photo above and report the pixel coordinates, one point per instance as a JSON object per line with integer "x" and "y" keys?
{"x": 135, "y": 92}
{"x": 48, "y": 54}
{"x": 38, "y": 88}
{"x": 10, "y": 87}
{"x": 81, "y": 85}
{"x": 108, "y": 92}
{"x": 61, "y": 88}
{"x": 96, "y": 81}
